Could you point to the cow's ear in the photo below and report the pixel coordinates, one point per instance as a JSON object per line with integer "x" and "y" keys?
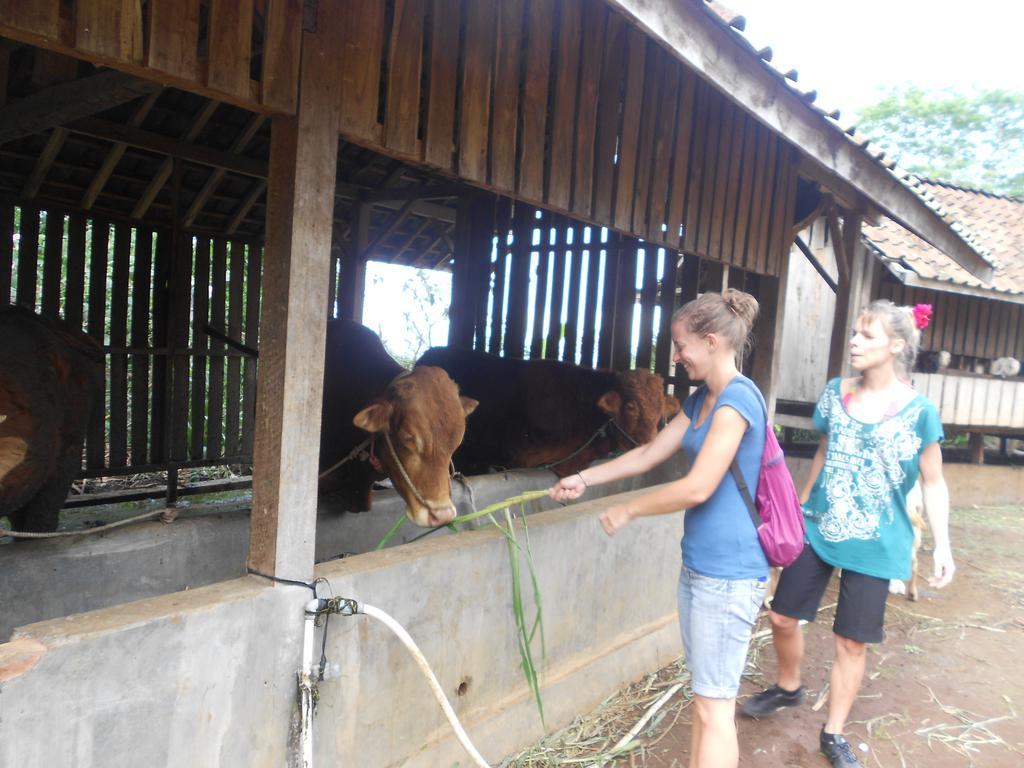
{"x": 671, "y": 407}
{"x": 610, "y": 403}
{"x": 468, "y": 404}
{"x": 374, "y": 417}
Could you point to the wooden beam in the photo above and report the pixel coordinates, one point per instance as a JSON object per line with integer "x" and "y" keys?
{"x": 164, "y": 172}
{"x": 353, "y": 265}
{"x": 69, "y": 101}
{"x": 393, "y": 225}
{"x": 251, "y": 129}
{"x": 116, "y": 153}
{"x": 419, "y": 192}
{"x": 300, "y": 208}
{"x": 843, "y": 243}
{"x": 707, "y": 46}
{"x": 44, "y": 161}
{"x": 245, "y": 206}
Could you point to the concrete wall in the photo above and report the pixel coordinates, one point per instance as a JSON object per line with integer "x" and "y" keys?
{"x": 48, "y": 578}
{"x": 207, "y": 676}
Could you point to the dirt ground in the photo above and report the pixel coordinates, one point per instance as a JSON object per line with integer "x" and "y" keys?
{"x": 943, "y": 690}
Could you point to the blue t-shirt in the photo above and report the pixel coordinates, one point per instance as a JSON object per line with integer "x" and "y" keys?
{"x": 857, "y": 511}
{"x": 719, "y": 538}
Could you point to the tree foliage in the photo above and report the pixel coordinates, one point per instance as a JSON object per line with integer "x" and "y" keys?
{"x": 974, "y": 140}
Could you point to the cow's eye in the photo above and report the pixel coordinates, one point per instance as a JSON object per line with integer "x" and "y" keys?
{"x": 407, "y": 439}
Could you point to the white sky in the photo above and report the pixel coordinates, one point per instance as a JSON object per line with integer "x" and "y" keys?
{"x": 850, "y": 52}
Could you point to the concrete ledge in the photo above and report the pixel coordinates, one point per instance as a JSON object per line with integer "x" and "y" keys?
{"x": 47, "y": 578}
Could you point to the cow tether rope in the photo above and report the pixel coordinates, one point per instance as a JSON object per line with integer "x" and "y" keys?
{"x": 601, "y": 431}
{"x": 359, "y": 452}
{"x": 167, "y": 515}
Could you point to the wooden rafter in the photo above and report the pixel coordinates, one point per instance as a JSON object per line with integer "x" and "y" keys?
{"x": 412, "y": 239}
{"x": 116, "y": 153}
{"x": 243, "y": 209}
{"x": 239, "y": 145}
{"x": 393, "y": 225}
{"x": 66, "y": 102}
{"x": 44, "y": 161}
{"x": 164, "y": 173}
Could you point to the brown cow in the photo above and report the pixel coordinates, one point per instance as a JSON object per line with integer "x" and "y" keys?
{"x": 51, "y": 379}
{"x": 415, "y": 419}
{"x": 542, "y": 412}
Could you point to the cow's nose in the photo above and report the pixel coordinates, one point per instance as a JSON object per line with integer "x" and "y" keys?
{"x": 441, "y": 515}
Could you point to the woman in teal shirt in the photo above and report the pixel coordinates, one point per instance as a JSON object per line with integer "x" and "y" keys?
{"x": 722, "y": 581}
{"x": 878, "y": 437}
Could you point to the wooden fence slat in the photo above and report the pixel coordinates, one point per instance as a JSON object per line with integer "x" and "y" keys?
{"x": 785, "y": 225}
{"x": 595, "y": 16}
{"x": 648, "y": 294}
{"x": 667, "y": 302}
{"x": 506, "y": 94}
{"x": 764, "y": 215}
{"x": 572, "y": 321}
{"x": 438, "y": 139}
{"x": 475, "y": 98}
{"x": 161, "y": 366}
{"x": 717, "y": 111}
{"x": 745, "y": 201}
{"x": 535, "y": 99}
{"x": 999, "y": 329}
{"x": 970, "y": 340}
{"x": 28, "y": 257}
{"x": 625, "y": 303}
{"x": 74, "y": 289}
{"x": 230, "y": 41}
{"x": 664, "y": 144}
{"x": 609, "y": 290}
{"x": 540, "y": 301}
{"x": 654, "y": 73}
{"x": 695, "y": 177}
{"x": 563, "y": 118}
{"x": 178, "y": 341}
{"x": 218, "y": 315}
{"x": 629, "y": 136}
{"x": 118, "y": 408}
{"x": 1016, "y": 348}
{"x": 6, "y": 250}
{"x": 95, "y": 327}
{"x": 685, "y": 120}
{"x": 405, "y": 63}
{"x": 609, "y": 119}
{"x": 361, "y": 50}
{"x": 141, "y": 287}
{"x": 553, "y": 335}
{"x": 200, "y": 345}
{"x": 52, "y": 263}
{"x": 39, "y": 17}
{"x": 942, "y": 321}
{"x": 282, "y": 51}
{"x": 174, "y": 37}
{"x": 233, "y": 399}
{"x": 253, "y": 280}
{"x": 984, "y": 341}
{"x": 731, "y": 117}
{"x": 523, "y": 224}
{"x": 109, "y": 28}
{"x": 737, "y": 149}
{"x": 590, "y": 305}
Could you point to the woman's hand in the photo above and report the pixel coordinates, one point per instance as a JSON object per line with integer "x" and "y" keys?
{"x": 615, "y": 518}
{"x": 568, "y": 488}
{"x": 944, "y": 568}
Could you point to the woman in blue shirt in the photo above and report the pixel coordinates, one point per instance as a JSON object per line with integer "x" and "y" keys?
{"x": 877, "y": 436}
{"x": 724, "y": 571}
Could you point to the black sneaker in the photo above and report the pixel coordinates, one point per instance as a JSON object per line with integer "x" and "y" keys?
{"x": 838, "y": 751}
{"x": 771, "y": 701}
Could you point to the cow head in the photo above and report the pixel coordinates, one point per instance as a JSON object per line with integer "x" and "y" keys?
{"x": 423, "y": 417}
{"x": 638, "y": 404}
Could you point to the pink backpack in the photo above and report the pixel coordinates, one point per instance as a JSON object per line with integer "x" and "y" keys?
{"x": 777, "y": 514}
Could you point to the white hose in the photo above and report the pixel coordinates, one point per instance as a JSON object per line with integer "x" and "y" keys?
{"x": 410, "y": 645}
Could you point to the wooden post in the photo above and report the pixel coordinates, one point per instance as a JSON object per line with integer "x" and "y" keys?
{"x": 460, "y": 313}
{"x": 845, "y": 242}
{"x": 976, "y": 444}
{"x": 352, "y": 283}
{"x": 768, "y": 335}
{"x": 300, "y": 208}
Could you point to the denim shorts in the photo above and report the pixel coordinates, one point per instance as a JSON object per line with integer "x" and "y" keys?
{"x": 716, "y": 618}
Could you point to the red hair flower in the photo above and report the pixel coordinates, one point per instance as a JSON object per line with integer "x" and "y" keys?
{"x": 922, "y": 315}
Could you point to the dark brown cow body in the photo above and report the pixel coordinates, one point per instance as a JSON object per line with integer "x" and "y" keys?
{"x": 537, "y": 412}
{"x": 421, "y": 413}
{"x": 51, "y": 379}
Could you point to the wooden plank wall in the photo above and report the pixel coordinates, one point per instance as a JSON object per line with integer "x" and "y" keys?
{"x": 112, "y": 281}
{"x": 202, "y": 46}
{"x": 560, "y": 289}
{"x": 974, "y": 327}
{"x": 568, "y": 107}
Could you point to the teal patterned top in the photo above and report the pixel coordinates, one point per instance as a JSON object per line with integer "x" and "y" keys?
{"x": 857, "y": 510}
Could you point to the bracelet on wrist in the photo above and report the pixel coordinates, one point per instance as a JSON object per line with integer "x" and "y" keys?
{"x": 580, "y": 476}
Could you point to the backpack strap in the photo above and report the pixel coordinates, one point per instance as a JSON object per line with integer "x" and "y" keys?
{"x": 745, "y": 493}
{"x": 734, "y": 468}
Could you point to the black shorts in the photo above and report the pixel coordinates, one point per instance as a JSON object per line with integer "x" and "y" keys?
{"x": 860, "y": 614}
